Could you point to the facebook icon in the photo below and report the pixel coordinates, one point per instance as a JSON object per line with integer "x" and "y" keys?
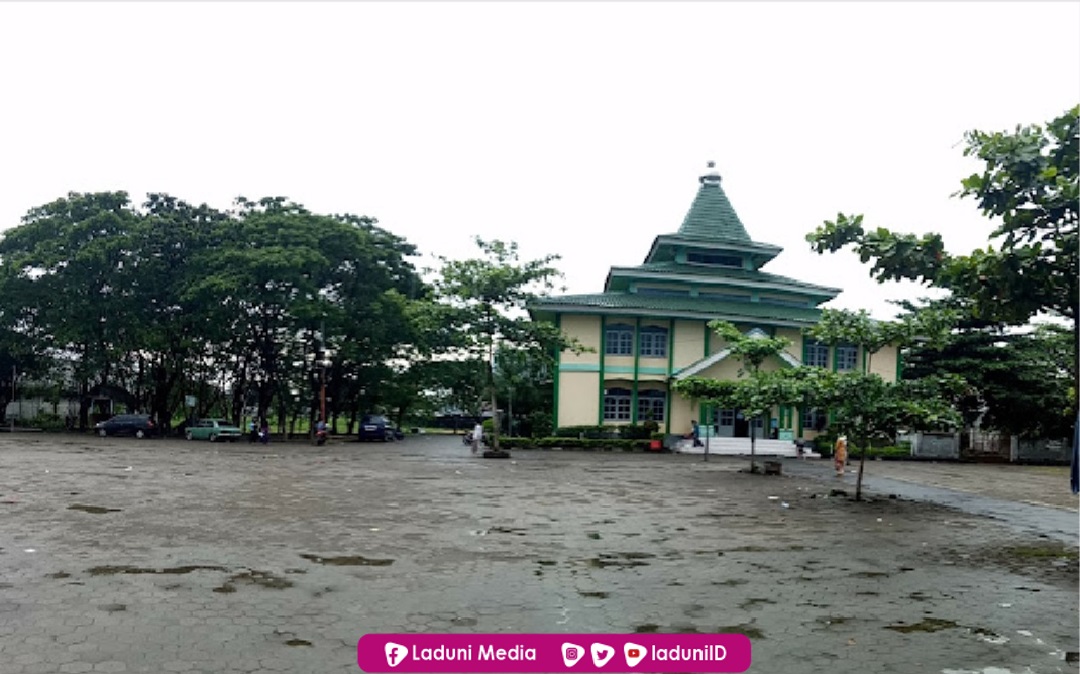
{"x": 395, "y": 653}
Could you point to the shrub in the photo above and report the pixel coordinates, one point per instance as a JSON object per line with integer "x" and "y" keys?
{"x": 588, "y": 432}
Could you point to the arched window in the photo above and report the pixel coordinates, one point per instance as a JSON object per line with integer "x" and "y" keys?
{"x": 619, "y": 340}
{"x": 653, "y": 342}
{"x": 651, "y": 405}
{"x": 617, "y": 404}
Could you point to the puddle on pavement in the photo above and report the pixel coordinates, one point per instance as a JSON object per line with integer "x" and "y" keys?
{"x": 298, "y": 642}
{"x": 731, "y": 582}
{"x": 1041, "y": 552}
{"x": 927, "y": 625}
{"x": 594, "y": 594}
{"x": 353, "y": 560}
{"x": 870, "y": 574}
{"x": 593, "y": 535}
{"x": 513, "y": 531}
{"x": 113, "y": 608}
{"x": 648, "y": 628}
{"x": 113, "y": 570}
{"x": 58, "y": 575}
{"x": 93, "y": 510}
{"x": 748, "y": 630}
{"x": 619, "y": 559}
{"x": 260, "y": 578}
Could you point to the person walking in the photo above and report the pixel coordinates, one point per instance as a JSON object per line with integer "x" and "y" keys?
{"x": 477, "y": 437}
{"x": 695, "y": 433}
{"x": 840, "y": 455}
{"x": 264, "y": 432}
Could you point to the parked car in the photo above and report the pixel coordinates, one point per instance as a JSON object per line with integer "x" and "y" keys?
{"x": 138, "y": 425}
{"x": 213, "y": 430}
{"x": 378, "y": 427}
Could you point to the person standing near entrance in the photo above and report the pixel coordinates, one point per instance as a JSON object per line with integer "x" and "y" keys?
{"x": 840, "y": 455}
{"x": 695, "y": 433}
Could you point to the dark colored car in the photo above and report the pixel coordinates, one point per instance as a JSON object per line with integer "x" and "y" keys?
{"x": 138, "y": 425}
{"x": 378, "y": 427}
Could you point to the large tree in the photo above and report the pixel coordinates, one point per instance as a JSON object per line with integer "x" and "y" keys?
{"x": 1029, "y": 186}
{"x": 488, "y": 295}
{"x": 757, "y": 391}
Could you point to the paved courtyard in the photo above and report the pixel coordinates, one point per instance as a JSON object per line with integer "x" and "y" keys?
{"x": 120, "y": 555}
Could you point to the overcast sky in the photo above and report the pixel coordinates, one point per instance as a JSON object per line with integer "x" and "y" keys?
{"x": 572, "y": 128}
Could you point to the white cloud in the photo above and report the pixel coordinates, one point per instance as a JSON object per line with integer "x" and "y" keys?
{"x": 572, "y": 128}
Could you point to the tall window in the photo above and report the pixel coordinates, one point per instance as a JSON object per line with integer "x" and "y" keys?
{"x": 846, "y": 357}
{"x": 650, "y": 405}
{"x": 653, "y": 342}
{"x": 817, "y": 354}
{"x": 617, "y": 404}
{"x": 619, "y": 340}
{"x": 814, "y": 419}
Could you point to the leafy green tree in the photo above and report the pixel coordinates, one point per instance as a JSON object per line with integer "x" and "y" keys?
{"x": 757, "y": 391}
{"x": 1029, "y": 185}
{"x": 63, "y": 278}
{"x": 861, "y": 395}
{"x": 488, "y": 295}
{"x": 755, "y": 396}
{"x": 1018, "y": 382}
{"x": 867, "y": 408}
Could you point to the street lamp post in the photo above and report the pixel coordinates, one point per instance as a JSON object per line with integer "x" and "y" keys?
{"x": 322, "y": 389}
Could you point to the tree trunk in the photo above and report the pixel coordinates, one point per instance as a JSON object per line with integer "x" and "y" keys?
{"x": 753, "y": 432}
{"x": 862, "y": 463}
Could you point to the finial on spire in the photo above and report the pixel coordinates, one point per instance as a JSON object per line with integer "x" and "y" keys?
{"x": 712, "y": 177}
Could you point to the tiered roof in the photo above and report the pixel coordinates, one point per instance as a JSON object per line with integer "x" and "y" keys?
{"x": 709, "y": 269}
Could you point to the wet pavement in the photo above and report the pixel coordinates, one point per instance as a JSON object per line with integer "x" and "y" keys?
{"x": 119, "y": 555}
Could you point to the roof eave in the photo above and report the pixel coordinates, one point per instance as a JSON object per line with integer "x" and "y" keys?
{"x": 675, "y": 313}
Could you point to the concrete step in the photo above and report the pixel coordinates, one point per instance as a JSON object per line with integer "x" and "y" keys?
{"x": 741, "y": 447}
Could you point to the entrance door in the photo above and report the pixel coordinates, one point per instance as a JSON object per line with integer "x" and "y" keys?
{"x": 724, "y": 423}
{"x": 741, "y": 426}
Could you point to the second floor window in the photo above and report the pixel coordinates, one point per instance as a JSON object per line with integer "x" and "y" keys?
{"x": 653, "y": 342}
{"x": 619, "y": 340}
{"x": 846, "y": 357}
{"x": 817, "y": 355}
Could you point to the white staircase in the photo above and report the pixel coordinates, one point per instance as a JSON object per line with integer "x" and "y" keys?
{"x": 741, "y": 447}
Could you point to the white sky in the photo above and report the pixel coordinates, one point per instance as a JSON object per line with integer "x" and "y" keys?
{"x": 571, "y": 128}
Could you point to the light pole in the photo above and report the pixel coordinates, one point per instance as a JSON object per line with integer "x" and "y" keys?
{"x": 322, "y": 390}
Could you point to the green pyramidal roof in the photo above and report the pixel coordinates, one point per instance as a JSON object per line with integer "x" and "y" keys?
{"x": 711, "y": 215}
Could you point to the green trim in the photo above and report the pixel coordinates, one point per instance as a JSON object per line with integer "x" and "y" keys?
{"x": 612, "y": 369}
{"x": 798, "y": 421}
{"x": 863, "y": 359}
{"x": 708, "y": 334}
{"x": 579, "y": 367}
{"x": 835, "y": 360}
{"x": 671, "y": 346}
{"x": 603, "y": 348}
{"x": 637, "y": 358}
{"x": 899, "y": 364}
{"x": 667, "y": 407}
{"x": 558, "y": 368}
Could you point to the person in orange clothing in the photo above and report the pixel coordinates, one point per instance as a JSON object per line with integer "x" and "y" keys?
{"x": 840, "y": 455}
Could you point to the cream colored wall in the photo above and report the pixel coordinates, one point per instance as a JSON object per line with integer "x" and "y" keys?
{"x": 579, "y": 398}
{"x": 682, "y": 411}
{"x": 883, "y": 363}
{"x": 689, "y": 343}
{"x": 586, "y": 329}
{"x": 796, "y": 337}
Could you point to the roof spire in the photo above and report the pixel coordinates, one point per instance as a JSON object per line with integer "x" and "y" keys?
{"x": 712, "y": 177}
